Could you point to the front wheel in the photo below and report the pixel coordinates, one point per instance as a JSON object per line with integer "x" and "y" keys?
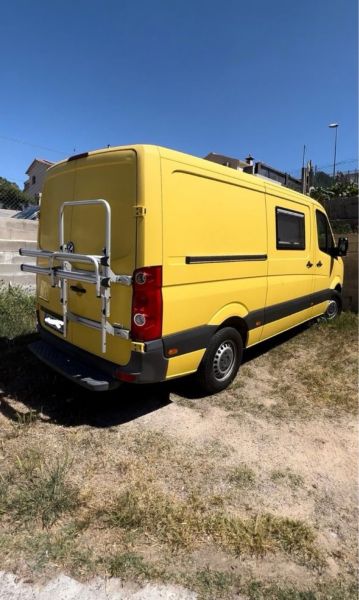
{"x": 221, "y": 360}
{"x": 333, "y": 309}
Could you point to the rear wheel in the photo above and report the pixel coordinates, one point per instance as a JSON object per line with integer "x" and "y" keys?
{"x": 221, "y": 361}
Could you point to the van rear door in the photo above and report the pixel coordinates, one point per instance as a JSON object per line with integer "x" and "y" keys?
{"x": 109, "y": 175}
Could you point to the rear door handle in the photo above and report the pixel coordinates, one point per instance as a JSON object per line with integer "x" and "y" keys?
{"x": 309, "y": 264}
{"x": 77, "y": 289}
{"x": 319, "y": 264}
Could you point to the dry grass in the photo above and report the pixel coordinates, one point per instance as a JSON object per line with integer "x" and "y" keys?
{"x": 314, "y": 370}
{"x": 185, "y": 525}
{"x": 248, "y": 492}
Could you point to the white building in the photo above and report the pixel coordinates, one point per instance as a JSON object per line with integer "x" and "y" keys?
{"x": 36, "y": 173}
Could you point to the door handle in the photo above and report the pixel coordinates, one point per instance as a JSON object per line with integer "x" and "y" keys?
{"x": 319, "y": 264}
{"x": 77, "y": 289}
{"x": 309, "y": 264}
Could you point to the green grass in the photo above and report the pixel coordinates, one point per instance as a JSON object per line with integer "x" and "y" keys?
{"x": 17, "y": 310}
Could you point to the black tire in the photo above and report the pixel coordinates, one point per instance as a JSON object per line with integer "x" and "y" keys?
{"x": 221, "y": 361}
{"x": 334, "y": 308}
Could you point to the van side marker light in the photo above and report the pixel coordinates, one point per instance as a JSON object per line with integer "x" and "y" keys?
{"x": 172, "y": 351}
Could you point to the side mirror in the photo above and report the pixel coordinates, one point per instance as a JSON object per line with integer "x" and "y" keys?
{"x": 342, "y": 246}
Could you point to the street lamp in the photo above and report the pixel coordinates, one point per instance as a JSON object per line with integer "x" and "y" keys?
{"x": 334, "y": 126}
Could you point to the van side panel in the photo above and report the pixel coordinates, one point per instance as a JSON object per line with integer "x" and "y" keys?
{"x": 214, "y": 246}
{"x": 290, "y": 271}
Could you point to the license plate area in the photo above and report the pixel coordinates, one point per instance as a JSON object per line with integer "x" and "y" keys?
{"x": 54, "y": 322}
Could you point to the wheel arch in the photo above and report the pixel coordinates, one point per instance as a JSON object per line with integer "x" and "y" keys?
{"x": 239, "y": 324}
{"x": 232, "y": 315}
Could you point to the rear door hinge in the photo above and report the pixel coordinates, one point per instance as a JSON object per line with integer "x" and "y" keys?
{"x": 140, "y": 211}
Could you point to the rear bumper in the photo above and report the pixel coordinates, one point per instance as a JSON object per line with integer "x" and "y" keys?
{"x": 96, "y": 373}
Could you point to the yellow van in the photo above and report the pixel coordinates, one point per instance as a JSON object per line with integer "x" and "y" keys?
{"x": 153, "y": 264}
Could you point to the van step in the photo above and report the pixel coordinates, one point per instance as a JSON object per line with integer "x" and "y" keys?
{"x": 75, "y": 370}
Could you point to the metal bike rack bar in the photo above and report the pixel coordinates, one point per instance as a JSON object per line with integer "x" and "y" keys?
{"x": 101, "y": 276}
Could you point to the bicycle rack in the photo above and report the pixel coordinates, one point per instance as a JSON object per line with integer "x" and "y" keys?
{"x": 101, "y": 276}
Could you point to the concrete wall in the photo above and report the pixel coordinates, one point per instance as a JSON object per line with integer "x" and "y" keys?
{"x": 17, "y": 229}
{"x": 350, "y": 290}
{"x": 15, "y": 234}
{"x": 342, "y": 208}
{"x": 7, "y": 212}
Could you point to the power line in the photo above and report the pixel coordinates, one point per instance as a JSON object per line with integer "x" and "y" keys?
{"x": 328, "y": 166}
{"x": 24, "y": 143}
{"x": 341, "y": 162}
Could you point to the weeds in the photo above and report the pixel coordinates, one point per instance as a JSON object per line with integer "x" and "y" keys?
{"x": 242, "y": 476}
{"x": 39, "y": 490}
{"x": 286, "y": 476}
{"x": 129, "y": 565}
{"x": 187, "y": 524}
{"x": 17, "y": 310}
{"x": 336, "y": 590}
{"x": 346, "y": 322}
{"x": 58, "y": 547}
{"x": 209, "y": 583}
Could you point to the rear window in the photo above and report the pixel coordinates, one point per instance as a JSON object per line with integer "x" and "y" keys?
{"x": 290, "y": 229}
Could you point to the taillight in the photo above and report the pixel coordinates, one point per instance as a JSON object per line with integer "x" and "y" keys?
{"x": 147, "y": 304}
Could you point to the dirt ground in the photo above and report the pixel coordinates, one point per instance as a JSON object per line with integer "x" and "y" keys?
{"x": 248, "y": 494}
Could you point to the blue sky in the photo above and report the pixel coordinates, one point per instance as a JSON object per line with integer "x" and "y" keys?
{"x": 199, "y": 76}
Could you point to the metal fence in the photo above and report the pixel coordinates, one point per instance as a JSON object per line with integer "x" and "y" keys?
{"x": 322, "y": 175}
{"x": 12, "y": 198}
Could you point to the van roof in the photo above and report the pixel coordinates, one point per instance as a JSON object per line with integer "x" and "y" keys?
{"x": 168, "y": 153}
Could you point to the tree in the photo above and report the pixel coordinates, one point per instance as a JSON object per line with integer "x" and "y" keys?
{"x": 343, "y": 188}
{"x": 322, "y": 179}
{"x": 340, "y": 189}
{"x": 12, "y": 197}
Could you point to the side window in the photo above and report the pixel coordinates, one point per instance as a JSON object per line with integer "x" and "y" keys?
{"x": 325, "y": 238}
{"x": 290, "y": 229}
